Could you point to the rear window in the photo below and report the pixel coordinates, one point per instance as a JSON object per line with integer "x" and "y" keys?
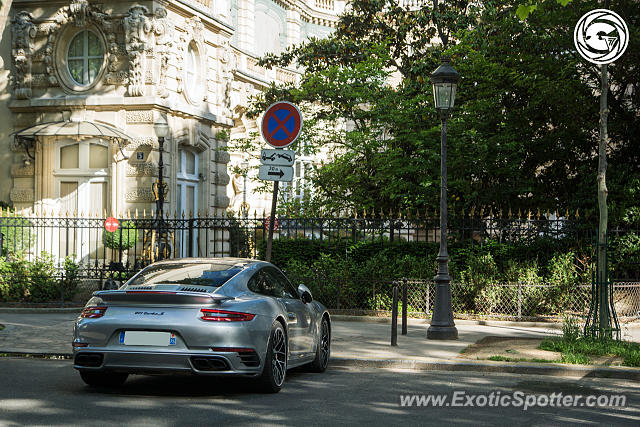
{"x": 205, "y": 274}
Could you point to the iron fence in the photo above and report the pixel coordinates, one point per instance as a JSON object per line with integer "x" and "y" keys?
{"x": 507, "y": 301}
{"x": 137, "y": 242}
{"x": 132, "y": 245}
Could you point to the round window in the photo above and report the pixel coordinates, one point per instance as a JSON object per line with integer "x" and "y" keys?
{"x": 85, "y": 57}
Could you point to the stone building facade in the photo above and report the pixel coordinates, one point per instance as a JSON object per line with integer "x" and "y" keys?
{"x": 87, "y": 69}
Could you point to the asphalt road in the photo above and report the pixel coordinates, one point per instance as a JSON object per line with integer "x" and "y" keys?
{"x": 50, "y": 392}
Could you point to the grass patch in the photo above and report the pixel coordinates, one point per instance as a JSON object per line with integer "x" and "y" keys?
{"x": 1, "y": 327}
{"x": 578, "y": 350}
{"x": 575, "y": 359}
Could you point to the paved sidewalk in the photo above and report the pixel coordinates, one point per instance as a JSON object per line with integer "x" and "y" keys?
{"x": 51, "y": 332}
{"x": 354, "y": 343}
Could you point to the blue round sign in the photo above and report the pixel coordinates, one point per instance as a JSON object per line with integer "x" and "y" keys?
{"x": 281, "y": 124}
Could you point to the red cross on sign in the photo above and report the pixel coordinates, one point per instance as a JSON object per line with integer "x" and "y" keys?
{"x": 281, "y": 124}
{"x": 111, "y": 224}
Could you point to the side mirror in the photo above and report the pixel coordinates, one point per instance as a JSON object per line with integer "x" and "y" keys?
{"x": 110, "y": 285}
{"x": 305, "y": 294}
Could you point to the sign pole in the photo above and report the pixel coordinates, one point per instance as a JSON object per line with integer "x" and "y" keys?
{"x": 281, "y": 125}
{"x": 274, "y": 203}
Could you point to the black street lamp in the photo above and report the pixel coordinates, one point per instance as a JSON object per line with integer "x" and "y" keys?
{"x": 160, "y": 189}
{"x": 444, "y": 79}
{"x": 245, "y": 166}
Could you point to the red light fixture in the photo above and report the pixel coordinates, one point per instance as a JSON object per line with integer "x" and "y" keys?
{"x": 225, "y": 316}
{"x": 93, "y": 312}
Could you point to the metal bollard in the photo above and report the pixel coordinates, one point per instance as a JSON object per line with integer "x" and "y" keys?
{"x": 394, "y": 316}
{"x": 404, "y": 306}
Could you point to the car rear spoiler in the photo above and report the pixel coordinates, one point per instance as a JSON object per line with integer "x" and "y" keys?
{"x": 160, "y": 297}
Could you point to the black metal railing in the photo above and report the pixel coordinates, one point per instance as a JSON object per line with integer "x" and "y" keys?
{"x": 135, "y": 242}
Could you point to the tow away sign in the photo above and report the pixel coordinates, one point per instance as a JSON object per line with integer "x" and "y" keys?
{"x": 276, "y": 173}
{"x": 278, "y": 157}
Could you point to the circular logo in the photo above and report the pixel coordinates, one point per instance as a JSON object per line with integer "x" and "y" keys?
{"x": 281, "y": 124}
{"x": 601, "y": 36}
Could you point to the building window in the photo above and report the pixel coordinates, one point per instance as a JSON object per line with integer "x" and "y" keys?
{"x": 81, "y": 180}
{"x": 193, "y": 76}
{"x": 187, "y": 196}
{"x": 85, "y": 57}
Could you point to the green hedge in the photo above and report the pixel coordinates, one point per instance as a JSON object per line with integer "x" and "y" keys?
{"x": 37, "y": 281}
{"x": 17, "y": 233}
{"x": 125, "y": 237}
{"x": 306, "y": 251}
{"x": 338, "y": 271}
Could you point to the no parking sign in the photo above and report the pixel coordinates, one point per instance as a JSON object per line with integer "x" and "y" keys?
{"x": 281, "y": 124}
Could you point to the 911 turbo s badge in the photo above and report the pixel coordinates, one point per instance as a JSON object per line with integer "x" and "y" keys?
{"x": 150, "y": 313}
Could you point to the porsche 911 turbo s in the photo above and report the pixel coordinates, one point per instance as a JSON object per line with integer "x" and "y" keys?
{"x": 203, "y": 316}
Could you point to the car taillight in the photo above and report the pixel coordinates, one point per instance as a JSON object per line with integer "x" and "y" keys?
{"x": 225, "y": 316}
{"x": 93, "y": 312}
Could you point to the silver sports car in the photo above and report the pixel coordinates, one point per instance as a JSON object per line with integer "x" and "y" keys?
{"x": 217, "y": 316}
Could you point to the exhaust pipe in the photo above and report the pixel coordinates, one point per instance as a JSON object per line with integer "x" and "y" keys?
{"x": 204, "y": 363}
{"x": 90, "y": 360}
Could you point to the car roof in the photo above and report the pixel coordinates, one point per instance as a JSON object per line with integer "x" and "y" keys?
{"x": 219, "y": 260}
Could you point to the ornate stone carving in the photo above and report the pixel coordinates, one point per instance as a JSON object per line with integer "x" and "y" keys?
{"x": 194, "y": 31}
{"x": 142, "y": 169}
{"x": 229, "y": 66}
{"x": 40, "y": 80}
{"x": 222, "y": 178}
{"x": 21, "y": 195}
{"x": 22, "y": 171}
{"x": 179, "y": 58}
{"x": 118, "y": 78}
{"x": 222, "y": 157}
{"x": 23, "y": 32}
{"x": 114, "y": 77}
{"x": 195, "y": 28}
{"x": 136, "y": 26}
{"x": 138, "y": 142}
{"x": 79, "y": 12}
{"x": 164, "y": 32}
{"x": 139, "y": 116}
{"x": 140, "y": 195}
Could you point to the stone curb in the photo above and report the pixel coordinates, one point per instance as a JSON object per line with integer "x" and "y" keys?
{"x": 425, "y": 322}
{"x": 36, "y": 354}
{"x": 551, "y": 369}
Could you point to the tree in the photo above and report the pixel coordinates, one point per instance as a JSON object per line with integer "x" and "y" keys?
{"x": 521, "y": 137}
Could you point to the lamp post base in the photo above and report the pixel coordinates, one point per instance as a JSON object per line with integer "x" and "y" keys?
{"x": 442, "y": 332}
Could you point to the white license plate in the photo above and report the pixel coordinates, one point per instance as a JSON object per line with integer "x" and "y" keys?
{"x": 164, "y": 339}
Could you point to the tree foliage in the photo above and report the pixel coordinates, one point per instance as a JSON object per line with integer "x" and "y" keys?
{"x": 523, "y": 134}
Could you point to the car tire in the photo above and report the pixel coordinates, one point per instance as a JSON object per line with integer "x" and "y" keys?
{"x": 323, "y": 349}
{"x": 274, "y": 371}
{"x": 103, "y": 379}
